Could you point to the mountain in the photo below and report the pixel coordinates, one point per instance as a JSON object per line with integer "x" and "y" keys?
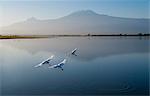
{"x": 80, "y": 22}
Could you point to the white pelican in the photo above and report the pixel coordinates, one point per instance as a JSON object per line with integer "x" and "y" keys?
{"x": 59, "y": 65}
{"x": 74, "y": 51}
{"x": 45, "y": 61}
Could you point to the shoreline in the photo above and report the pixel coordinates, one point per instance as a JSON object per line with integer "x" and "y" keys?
{"x": 88, "y": 35}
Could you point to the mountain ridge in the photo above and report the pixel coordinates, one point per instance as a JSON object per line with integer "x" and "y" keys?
{"x": 79, "y": 22}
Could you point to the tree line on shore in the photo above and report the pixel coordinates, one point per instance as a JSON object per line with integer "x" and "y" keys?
{"x": 42, "y": 36}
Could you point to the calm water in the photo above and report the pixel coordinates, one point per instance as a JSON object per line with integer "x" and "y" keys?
{"x": 103, "y": 66}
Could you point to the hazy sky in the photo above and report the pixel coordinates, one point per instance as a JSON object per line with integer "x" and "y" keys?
{"x": 12, "y": 11}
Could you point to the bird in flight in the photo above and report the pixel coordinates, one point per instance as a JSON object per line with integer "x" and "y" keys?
{"x": 59, "y": 65}
{"x": 45, "y": 61}
{"x": 73, "y": 52}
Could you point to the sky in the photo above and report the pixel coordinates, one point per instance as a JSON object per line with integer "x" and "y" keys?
{"x": 12, "y": 11}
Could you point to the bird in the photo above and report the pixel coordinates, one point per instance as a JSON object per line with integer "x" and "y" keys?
{"x": 73, "y": 52}
{"x": 45, "y": 61}
{"x": 59, "y": 65}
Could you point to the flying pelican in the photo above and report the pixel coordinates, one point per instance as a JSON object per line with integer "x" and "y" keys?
{"x": 74, "y": 51}
{"x": 45, "y": 61}
{"x": 59, "y": 65}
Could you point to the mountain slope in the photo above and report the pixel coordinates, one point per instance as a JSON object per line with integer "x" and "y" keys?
{"x": 80, "y": 22}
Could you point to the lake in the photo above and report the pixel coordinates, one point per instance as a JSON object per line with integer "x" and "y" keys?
{"x": 103, "y": 66}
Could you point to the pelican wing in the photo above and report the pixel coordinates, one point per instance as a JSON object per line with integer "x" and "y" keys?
{"x": 64, "y": 61}
{"x": 73, "y": 51}
{"x": 39, "y": 65}
{"x": 50, "y": 58}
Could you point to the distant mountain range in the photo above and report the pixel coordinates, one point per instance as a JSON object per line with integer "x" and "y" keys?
{"x": 80, "y": 22}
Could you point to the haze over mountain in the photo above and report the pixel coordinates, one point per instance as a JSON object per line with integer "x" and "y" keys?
{"x": 80, "y": 22}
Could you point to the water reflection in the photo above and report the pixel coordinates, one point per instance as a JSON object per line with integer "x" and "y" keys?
{"x": 107, "y": 66}
{"x": 90, "y": 49}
